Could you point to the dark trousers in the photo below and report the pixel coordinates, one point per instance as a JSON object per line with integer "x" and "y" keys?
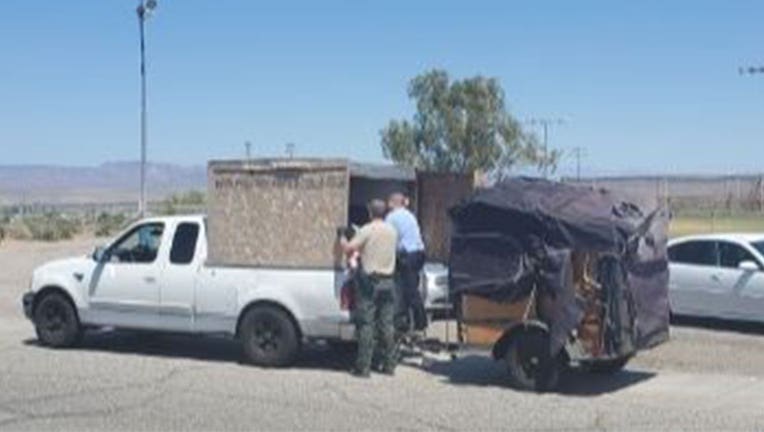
{"x": 407, "y": 270}
{"x": 373, "y": 315}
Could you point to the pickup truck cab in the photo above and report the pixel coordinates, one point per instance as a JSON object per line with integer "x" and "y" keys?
{"x": 154, "y": 276}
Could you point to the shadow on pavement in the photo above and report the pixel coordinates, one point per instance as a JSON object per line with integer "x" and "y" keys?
{"x": 745, "y": 327}
{"x": 476, "y": 370}
{"x": 482, "y": 370}
{"x": 203, "y": 348}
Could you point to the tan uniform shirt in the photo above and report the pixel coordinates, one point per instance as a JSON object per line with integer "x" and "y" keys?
{"x": 376, "y": 241}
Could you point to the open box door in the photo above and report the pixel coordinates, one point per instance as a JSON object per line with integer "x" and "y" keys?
{"x": 436, "y": 193}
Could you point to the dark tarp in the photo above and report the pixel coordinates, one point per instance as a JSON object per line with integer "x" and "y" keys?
{"x": 520, "y": 233}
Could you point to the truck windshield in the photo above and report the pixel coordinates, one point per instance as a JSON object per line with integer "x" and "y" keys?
{"x": 759, "y": 246}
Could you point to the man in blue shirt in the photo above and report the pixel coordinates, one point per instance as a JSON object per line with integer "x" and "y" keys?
{"x": 409, "y": 263}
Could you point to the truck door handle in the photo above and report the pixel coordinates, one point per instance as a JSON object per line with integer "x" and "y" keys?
{"x": 149, "y": 279}
{"x": 715, "y": 278}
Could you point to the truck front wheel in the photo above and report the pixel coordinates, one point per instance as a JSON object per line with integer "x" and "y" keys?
{"x": 269, "y": 337}
{"x": 56, "y": 321}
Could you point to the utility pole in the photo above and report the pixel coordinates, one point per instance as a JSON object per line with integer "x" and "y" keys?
{"x": 545, "y": 123}
{"x": 578, "y": 153}
{"x": 144, "y": 12}
{"x": 289, "y": 147}
{"x": 755, "y": 70}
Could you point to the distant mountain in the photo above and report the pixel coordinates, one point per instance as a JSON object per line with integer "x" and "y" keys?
{"x": 109, "y": 182}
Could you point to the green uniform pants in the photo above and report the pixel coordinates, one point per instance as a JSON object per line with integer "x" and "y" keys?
{"x": 374, "y": 312}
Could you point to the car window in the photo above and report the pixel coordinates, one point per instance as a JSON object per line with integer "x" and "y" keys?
{"x": 731, "y": 255}
{"x": 184, "y": 243}
{"x": 694, "y": 252}
{"x": 140, "y": 245}
{"x": 759, "y": 246}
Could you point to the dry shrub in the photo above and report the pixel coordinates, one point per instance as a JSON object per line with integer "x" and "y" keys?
{"x": 48, "y": 227}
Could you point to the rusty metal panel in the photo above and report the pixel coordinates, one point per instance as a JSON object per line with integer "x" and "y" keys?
{"x": 436, "y": 193}
{"x": 277, "y": 212}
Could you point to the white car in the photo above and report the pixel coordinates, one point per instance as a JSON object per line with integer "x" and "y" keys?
{"x": 154, "y": 276}
{"x": 718, "y": 276}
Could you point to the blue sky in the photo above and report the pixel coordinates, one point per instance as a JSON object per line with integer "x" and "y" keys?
{"x": 644, "y": 86}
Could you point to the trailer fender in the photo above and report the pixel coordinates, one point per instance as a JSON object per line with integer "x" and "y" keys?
{"x": 501, "y": 345}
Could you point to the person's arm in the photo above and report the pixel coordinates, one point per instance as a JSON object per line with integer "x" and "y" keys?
{"x": 354, "y": 245}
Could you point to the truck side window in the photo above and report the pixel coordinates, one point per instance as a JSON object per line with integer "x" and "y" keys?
{"x": 184, "y": 243}
{"x": 140, "y": 245}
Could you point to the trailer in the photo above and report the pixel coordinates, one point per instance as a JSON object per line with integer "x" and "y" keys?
{"x": 546, "y": 275}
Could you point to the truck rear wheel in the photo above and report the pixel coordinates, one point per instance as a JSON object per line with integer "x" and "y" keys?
{"x": 529, "y": 361}
{"x": 269, "y": 337}
{"x": 56, "y": 321}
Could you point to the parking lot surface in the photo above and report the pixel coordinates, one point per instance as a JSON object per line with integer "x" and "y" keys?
{"x": 710, "y": 376}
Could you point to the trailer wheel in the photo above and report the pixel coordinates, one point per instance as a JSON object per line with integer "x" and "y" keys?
{"x": 269, "y": 337}
{"x": 529, "y": 362}
{"x": 606, "y": 367}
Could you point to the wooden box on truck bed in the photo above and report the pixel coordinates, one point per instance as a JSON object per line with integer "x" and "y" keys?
{"x": 277, "y": 212}
{"x": 285, "y": 212}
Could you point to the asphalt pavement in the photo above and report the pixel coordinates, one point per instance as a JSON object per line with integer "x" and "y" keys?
{"x": 710, "y": 376}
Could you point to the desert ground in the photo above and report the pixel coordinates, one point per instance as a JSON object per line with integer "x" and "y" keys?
{"x": 710, "y": 376}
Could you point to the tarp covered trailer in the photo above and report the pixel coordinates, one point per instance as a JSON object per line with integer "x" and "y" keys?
{"x": 548, "y": 273}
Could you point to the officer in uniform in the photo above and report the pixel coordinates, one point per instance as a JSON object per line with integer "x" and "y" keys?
{"x": 374, "y": 311}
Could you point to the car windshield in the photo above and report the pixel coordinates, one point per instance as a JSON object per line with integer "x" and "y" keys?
{"x": 759, "y": 246}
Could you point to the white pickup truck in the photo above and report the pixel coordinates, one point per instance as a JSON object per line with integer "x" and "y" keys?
{"x": 154, "y": 276}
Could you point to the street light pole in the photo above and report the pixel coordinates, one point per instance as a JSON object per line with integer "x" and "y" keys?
{"x": 144, "y": 11}
{"x": 750, "y": 70}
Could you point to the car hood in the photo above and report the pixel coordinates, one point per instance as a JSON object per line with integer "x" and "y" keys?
{"x": 64, "y": 266}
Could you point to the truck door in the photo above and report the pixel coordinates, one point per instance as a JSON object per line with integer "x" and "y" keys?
{"x": 177, "y": 288}
{"x": 123, "y": 288}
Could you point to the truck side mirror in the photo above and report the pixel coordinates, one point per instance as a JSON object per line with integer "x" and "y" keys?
{"x": 99, "y": 254}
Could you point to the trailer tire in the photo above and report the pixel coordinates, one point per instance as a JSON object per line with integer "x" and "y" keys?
{"x": 605, "y": 367}
{"x": 529, "y": 362}
{"x": 269, "y": 337}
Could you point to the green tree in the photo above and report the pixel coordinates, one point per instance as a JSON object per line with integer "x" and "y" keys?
{"x": 462, "y": 126}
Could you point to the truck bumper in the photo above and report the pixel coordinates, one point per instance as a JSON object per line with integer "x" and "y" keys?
{"x": 28, "y": 302}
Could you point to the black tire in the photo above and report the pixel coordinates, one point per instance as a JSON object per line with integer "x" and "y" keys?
{"x": 269, "y": 337}
{"x": 605, "y": 367}
{"x": 56, "y": 321}
{"x": 529, "y": 362}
